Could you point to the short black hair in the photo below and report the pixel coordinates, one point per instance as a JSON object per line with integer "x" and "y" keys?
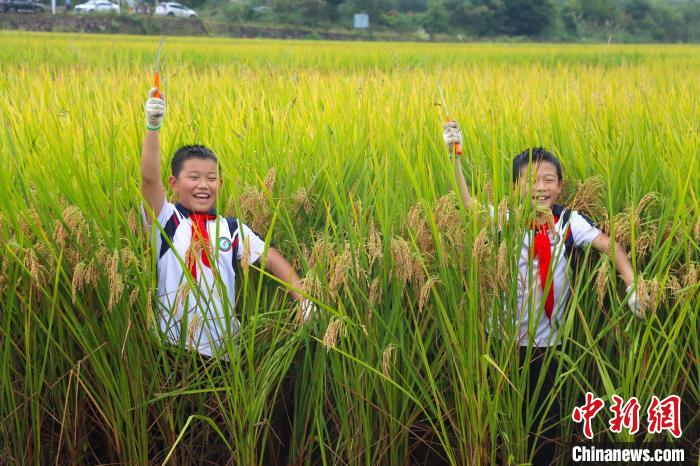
{"x": 186, "y": 153}
{"x": 536, "y": 154}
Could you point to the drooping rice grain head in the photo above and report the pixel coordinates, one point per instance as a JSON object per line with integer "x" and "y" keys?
{"x": 133, "y": 223}
{"x": 589, "y": 198}
{"x": 36, "y": 220}
{"x": 183, "y": 292}
{"x": 601, "y": 281}
{"x": 373, "y": 245}
{"x": 104, "y": 257}
{"x": 320, "y": 251}
{"x": 255, "y": 210}
{"x": 78, "y": 280}
{"x": 302, "y": 200}
{"x": 690, "y": 277}
{"x": 403, "y": 262}
{"x": 502, "y": 267}
{"x": 150, "y": 313}
{"x": 643, "y": 293}
{"x": 341, "y": 270}
{"x": 113, "y": 267}
{"x": 133, "y": 296}
{"x": 330, "y": 338}
{"x": 646, "y": 201}
{"x": 36, "y": 270}
{"x": 425, "y": 291}
{"x": 448, "y": 219}
{"x": 193, "y": 331}
{"x": 388, "y": 358}
{"x": 696, "y": 230}
{"x": 75, "y": 221}
{"x": 245, "y": 258}
{"x": 91, "y": 274}
{"x": 673, "y": 285}
{"x": 270, "y": 179}
{"x": 128, "y": 257}
{"x": 645, "y": 242}
{"x": 624, "y": 223}
{"x": 60, "y": 235}
{"x": 545, "y": 215}
{"x": 422, "y": 234}
{"x": 375, "y": 295}
{"x": 311, "y": 284}
{"x": 653, "y": 288}
{"x": 116, "y": 289}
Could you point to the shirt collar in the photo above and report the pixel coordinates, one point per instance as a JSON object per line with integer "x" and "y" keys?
{"x": 186, "y": 212}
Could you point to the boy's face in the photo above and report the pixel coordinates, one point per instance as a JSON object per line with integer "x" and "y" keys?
{"x": 197, "y": 184}
{"x": 540, "y": 183}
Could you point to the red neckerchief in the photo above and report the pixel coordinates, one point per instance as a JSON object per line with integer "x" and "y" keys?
{"x": 199, "y": 233}
{"x": 543, "y": 250}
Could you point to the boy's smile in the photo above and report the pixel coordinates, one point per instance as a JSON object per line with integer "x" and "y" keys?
{"x": 197, "y": 184}
{"x": 539, "y": 181}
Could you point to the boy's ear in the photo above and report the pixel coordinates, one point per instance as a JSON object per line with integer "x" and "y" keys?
{"x": 172, "y": 181}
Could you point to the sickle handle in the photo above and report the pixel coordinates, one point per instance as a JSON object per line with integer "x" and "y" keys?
{"x": 156, "y": 82}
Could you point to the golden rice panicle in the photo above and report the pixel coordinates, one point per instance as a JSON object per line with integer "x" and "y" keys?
{"x": 545, "y": 215}
{"x": 36, "y": 270}
{"x": 502, "y": 267}
{"x": 588, "y": 199}
{"x": 302, "y": 200}
{"x": 673, "y": 285}
{"x": 403, "y": 262}
{"x": 644, "y": 244}
{"x": 602, "y": 278}
{"x": 388, "y": 358}
{"x": 646, "y": 201}
{"x": 425, "y": 291}
{"x": 60, "y": 236}
{"x": 448, "y": 219}
{"x": 133, "y": 223}
{"x": 643, "y": 293}
{"x": 255, "y": 209}
{"x": 330, "y": 338}
{"x": 341, "y": 269}
{"x": 373, "y": 245}
{"x": 245, "y": 256}
{"x": 116, "y": 289}
{"x": 92, "y": 273}
{"x": 655, "y": 294}
{"x": 133, "y": 296}
{"x": 193, "y": 331}
{"x": 375, "y": 292}
{"x": 422, "y": 234}
{"x": 128, "y": 257}
{"x": 690, "y": 277}
{"x": 75, "y": 221}
{"x": 502, "y": 211}
{"x": 696, "y": 230}
{"x": 78, "y": 280}
{"x": 270, "y": 179}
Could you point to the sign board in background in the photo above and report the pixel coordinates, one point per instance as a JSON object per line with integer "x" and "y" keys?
{"x": 361, "y": 21}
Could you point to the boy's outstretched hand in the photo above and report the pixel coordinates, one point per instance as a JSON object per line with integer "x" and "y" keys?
{"x": 452, "y": 135}
{"x": 155, "y": 110}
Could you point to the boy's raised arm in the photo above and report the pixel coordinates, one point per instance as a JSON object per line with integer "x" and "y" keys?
{"x": 452, "y": 135}
{"x": 151, "y": 183}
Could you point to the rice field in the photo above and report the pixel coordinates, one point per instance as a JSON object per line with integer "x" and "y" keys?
{"x": 334, "y": 152}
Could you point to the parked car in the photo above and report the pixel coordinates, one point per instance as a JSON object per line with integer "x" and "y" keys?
{"x": 174, "y": 9}
{"x": 13, "y": 6}
{"x": 97, "y": 6}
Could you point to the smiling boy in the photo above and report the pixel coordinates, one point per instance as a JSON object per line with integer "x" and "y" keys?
{"x": 197, "y": 249}
{"x": 543, "y": 272}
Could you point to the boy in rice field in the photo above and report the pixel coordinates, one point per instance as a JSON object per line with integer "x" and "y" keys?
{"x": 198, "y": 249}
{"x": 543, "y": 269}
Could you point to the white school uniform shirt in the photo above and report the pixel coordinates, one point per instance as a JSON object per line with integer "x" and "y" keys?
{"x": 577, "y": 232}
{"x": 204, "y": 314}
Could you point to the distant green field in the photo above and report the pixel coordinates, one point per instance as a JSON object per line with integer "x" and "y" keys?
{"x": 334, "y": 152}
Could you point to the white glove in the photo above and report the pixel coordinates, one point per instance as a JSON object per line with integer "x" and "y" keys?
{"x": 635, "y": 303}
{"x": 452, "y": 135}
{"x": 308, "y": 309}
{"x": 155, "y": 110}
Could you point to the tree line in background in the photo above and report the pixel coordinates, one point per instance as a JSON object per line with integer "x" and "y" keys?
{"x": 621, "y": 20}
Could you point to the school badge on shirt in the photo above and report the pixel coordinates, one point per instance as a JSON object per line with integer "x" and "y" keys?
{"x": 224, "y": 244}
